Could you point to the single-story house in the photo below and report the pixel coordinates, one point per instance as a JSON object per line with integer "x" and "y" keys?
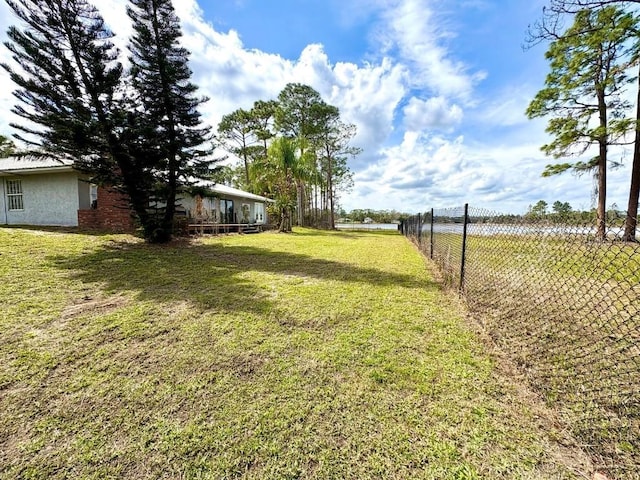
{"x": 48, "y": 192}
{"x": 210, "y": 202}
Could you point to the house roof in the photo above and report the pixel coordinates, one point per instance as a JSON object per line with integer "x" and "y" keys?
{"x": 226, "y": 190}
{"x": 30, "y": 164}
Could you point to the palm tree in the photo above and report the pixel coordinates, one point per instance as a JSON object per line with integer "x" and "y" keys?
{"x": 275, "y": 175}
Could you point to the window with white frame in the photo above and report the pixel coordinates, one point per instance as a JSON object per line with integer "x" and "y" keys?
{"x": 14, "y": 195}
{"x": 258, "y": 208}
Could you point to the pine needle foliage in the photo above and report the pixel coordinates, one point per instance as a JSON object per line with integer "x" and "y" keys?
{"x": 137, "y": 131}
{"x": 161, "y": 76}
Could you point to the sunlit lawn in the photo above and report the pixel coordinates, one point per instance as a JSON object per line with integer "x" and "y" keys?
{"x": 270, "y": 356}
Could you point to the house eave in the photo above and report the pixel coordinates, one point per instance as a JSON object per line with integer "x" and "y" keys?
{"x": 37, "y": 170}
{"x": 218, "y": 190}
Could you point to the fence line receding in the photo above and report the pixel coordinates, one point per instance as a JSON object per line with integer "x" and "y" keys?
{"x": 563, "y": 304}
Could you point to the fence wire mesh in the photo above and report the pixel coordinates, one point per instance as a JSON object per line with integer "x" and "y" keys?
{"x": 564, "y": 304}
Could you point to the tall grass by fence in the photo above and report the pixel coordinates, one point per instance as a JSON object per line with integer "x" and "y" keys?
{"x": 563, "y": 305}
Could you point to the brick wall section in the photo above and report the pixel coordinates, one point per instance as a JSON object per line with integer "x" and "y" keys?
{"x": 111, "y": 215}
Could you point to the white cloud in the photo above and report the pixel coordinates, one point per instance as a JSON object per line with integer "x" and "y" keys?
{"x": 118, "y": 21}
{"x": 426, "y": 171}
{"x": 6, "y": 85}
{"x": 507, "y": 108}
{"x": 233, "y": 77}
{"x": 412, "y": 27}
{"x": 434, "y": 113}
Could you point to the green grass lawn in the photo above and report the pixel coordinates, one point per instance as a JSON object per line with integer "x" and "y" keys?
{"x": 309, "y": 355}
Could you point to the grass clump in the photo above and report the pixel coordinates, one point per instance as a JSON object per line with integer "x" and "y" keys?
{"x": 311, "y": 355}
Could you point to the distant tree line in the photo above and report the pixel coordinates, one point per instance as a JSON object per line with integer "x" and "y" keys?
{"x": 562, "y": 212}
{"x": 293, "y": 149}
{"x": 377, "y": 216}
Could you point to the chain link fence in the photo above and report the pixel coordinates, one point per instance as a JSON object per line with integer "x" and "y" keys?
{"x": 563, "y": 304}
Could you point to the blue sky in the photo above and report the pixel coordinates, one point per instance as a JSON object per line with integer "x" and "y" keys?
{"x": 437, "y": 89}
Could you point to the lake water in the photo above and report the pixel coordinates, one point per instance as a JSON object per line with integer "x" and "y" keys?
{"x": 489, "y": 229}
{"x": 366, "y": 226}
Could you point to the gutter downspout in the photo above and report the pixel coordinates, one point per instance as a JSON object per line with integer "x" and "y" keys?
{"x": 4, "y": 203}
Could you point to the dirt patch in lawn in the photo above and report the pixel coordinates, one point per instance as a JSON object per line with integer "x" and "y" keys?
{"x": 89, "y": 305}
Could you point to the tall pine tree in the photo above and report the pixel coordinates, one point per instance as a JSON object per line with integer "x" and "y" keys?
{"x": 583, "y": 94}
{"x": 235, "y": 132}
{"x": 332, "y": 142}
{"x": 170, "y": 118}
{"x": 548, "y": 27}
{"x": 68, "y": 79}
{"x": 297, "y": 117}
{"x": 70, "y": 95}
{"x": 76, "y": 103}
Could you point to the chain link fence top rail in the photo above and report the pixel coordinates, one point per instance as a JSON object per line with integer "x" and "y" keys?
{"x": 563, "y": 304}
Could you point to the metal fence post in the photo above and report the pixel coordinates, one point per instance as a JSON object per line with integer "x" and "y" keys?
{"x": 431, "y": 240}
{"x": 464, "y": 245}
{"x": 419, "y": 228}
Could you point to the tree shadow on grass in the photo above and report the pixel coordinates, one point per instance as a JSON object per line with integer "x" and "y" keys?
{"x": 346, "y": 233}
{"x": 211, "y": 277}
{"x": 39, "y": 229}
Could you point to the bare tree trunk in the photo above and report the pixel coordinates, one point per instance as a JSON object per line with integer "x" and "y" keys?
{"x": 332, "y": 213}
{"x": 323, "y": 202}
{"x": 283, "y": 220}
{"x": 309, "y": 191}
{"x": 601, "y": 230}
{"x": 300, "y": 206}
{"x": 299, "y": 197}
{"x": 332, "y": 219}
{"x": 246, "y": 163}
{"x": 315, "y": 205}
{"x": 631, "y": 221}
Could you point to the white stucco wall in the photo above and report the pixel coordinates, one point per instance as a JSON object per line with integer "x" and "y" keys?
{"x": 49, "y": 199}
